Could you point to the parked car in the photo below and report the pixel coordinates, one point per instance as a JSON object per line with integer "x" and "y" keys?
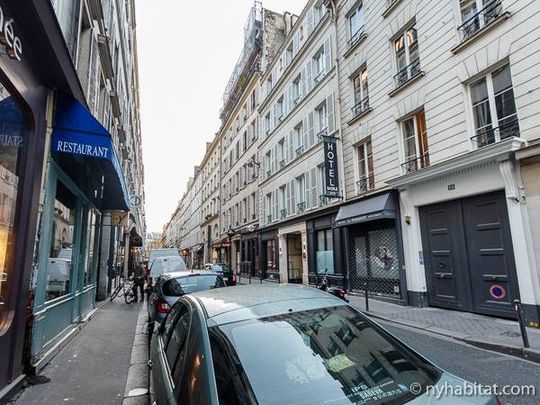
{"x": 166, "y": 264}
{"x": 170, "y": 286}
{"x": 286, "y": 344}
{"x": 58, "y": 277}
{"x": 223, "y": 269}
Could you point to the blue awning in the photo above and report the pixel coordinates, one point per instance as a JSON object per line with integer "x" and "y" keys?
{"x": 76, "y": 132}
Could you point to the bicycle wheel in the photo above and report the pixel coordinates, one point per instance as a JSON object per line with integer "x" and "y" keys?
{"x": 129, "y": 296}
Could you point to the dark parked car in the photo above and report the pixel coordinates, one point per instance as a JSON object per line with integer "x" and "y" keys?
{"x": 286, "y": 344}
{"x": 223, "y": 269}
{"x": 170, "y": 286}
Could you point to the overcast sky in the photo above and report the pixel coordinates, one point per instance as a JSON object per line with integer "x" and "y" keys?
{"x": 187, "y": 51}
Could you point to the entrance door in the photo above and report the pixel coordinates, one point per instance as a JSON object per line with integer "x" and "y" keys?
{"x": 468, "y": 255}
{"x": 294, "y": 258}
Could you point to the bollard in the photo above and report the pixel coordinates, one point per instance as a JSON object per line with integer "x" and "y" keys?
{"x": 519, "y": 311}
{"x": 366, "y": 295}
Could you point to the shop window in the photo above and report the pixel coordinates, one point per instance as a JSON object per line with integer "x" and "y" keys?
{"x": 60, "y": 261}
{"x": 325, "y": 252}
{"x": 11, "y": 144}
{"x": 91, "y": 235}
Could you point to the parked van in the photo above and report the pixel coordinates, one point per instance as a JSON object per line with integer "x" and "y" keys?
{"x": 155, "y": 253}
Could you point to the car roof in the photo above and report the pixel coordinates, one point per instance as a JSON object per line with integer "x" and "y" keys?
{"x": 232, "y": 304}
{"x": 184, "y": 273}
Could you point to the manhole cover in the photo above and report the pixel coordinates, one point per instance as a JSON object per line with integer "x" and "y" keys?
{"x": 137, "y": 392}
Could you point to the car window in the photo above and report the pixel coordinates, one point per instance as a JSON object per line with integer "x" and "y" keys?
{"x": 221, "y": 268}
{"x": 176, "y": 347}
{"x": 177, "y": 287}
{"x": 175, "y": 264}
{"x": 333, "y": 355}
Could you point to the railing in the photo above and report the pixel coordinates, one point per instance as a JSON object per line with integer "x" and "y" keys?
{"x": 282, "y": 163}
{"x": 320, "y": 75}
{"x": 356, "y": 37}
{"x": 253, "y": 216}
{"x": 268, "y": 219}
{"x": 360, "y": 107}
{"x": 324, "y": 200}
{"x": 365, "y": 184}
{"x": 297, "y": 99}
{"x": 268, "y": 173}
{"x": 488, "y": 135}
{"x": 407, "y": 73}
{"x": 322, "y": 133}
{"x": 417, "y": 163}
{"x": 283, "y": 213}
{"x": 299, "y": 150}
{"x": 301, "y": 206}
{"x": 482, "y": 18}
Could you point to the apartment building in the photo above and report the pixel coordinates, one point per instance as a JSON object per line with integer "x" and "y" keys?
{"x": 297, "y": 117}
{"x": 190, "y": 219}
{"x": 436, "y": 99}
{"x": 211, "y": 201}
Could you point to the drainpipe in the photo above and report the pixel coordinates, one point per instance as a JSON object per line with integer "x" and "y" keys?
{"x": 341, "y": 167}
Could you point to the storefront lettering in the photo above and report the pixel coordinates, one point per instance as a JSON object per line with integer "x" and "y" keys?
{"x": 15, "y": 141}
{"x": 86, "y": 150}
{"x": 8, "y": 38}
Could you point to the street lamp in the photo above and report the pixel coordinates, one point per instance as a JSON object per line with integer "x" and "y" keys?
{"x": 230, "y": 233}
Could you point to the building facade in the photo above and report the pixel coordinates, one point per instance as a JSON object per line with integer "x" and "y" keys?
{"x": 64, "y": 169}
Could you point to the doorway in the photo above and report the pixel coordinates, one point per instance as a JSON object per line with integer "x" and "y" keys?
{"x": 468, "y": 255}
{"x": 294, "y": 258}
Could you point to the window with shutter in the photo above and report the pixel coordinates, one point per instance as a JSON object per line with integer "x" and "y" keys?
{"x": 330, "y": 114}
{"x": 307, "y": 190}
{"x": 292, "y": 186}
{"x": 328, "y": 54}
{"x": 313, "y": 188}
{"x": 310, "y": 131}
{"x": 93, "y": 76}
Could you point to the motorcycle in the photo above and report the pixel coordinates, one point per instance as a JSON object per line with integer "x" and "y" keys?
{"x": 336, "y": 291}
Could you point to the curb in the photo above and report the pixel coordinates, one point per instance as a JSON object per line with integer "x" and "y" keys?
{"x": 516, "y": 351}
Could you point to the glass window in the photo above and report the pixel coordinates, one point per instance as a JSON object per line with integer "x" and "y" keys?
{"x": 60, "y": 262}
{"x": 407, "y": 57}
{"x": 91, "y": 258}
{"x": 361, "y": 95}
{"x": 415, "y": 143}
{"x": 11, "y": 144}
{"x": 356, "y": 25}
{"x": 325, "y": 252}
{"x": 185, "y": 285}
{"x": 333, "y": 354}
{"x": 366, "y": 180}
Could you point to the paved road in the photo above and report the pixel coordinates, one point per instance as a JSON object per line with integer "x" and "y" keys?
{"x": 471, "y": 363}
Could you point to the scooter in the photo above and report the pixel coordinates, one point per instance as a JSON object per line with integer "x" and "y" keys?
{"x": 336, "y": 291}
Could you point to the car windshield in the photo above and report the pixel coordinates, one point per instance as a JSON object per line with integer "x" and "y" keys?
{"x": 192, "y": 283}
{"x": 328, "y": 356}
{"x": 221, "y": 267}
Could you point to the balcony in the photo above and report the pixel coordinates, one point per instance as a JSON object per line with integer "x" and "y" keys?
{"x": 412, "y": 165}
{"x": 360, "y": 107}
{"x": 320, "y": 75}
{"x": 282, "y": 163}
{"x": 365, "y": 184}
{"x": 297, "y": 99}
{"x": 488, "y": 135}
{"x": 283, "y": 213}
{"x": 356, "y": 37}
{"x": 268, "y": 173}
{"x": 321, "y": 134}
{"x": 299, "y": 150}
{"x": 408, "y": 73}
{"x": 268, "y": 219}
{"x": 481, "y": 19}
{"x": 301, "y": 207}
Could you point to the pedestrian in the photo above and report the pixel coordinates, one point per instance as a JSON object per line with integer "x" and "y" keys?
{"x": 138, "y": 281}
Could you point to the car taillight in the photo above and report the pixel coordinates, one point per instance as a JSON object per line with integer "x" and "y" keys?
{"x": 162, "y": 307}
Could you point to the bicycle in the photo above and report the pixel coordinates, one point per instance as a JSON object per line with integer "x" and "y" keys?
{"x": 125, "y": 289}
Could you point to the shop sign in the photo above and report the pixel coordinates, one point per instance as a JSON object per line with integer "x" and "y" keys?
{"x": 8, "y": 39}
{"x": 119, "y": 218}
{"x": 331, "y": 168}
{"x": 76, "y": 148}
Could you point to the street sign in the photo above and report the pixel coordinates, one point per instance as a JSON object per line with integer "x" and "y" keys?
{"x": 119, "y": 218}
{"x": 135, "y": 200}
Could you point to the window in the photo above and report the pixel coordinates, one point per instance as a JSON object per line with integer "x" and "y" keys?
{"x": 494, "y": 107}
{"x": 361, "y": 96}
{"x": 289, "y": 54}
{"x": 291, "y": 197}
{"x": 407, "y": 57}
{"x": 356, "y": 25}
{"x": 281, "y": 152}
{"x": 267, "y": 123}
{"x": 253, "y": 101}
{"x": 268, "y": 207}
{"x": 321, "y": 124}
{"x": 476, "y": 14}
{"x": 300, "y": 187}
{"x": 415, "y": 143}
{"x": 282, "y": 202}
{"x": 365, "y": 167}
{"x": 279, "y": 110}
{"x": 311, "y": 188}
{"x": 299, "y": 138}
{"x": 269, "y": 85}
{"x": 11, "y": 166}
{"x": 324, "y": 255}
{"x": 296, "y": 92}
{"x": 318, "y": 12}
{"x": 91, "y": 259}
{"x": 319, "y": 67}
{"x": 176, "y": 348}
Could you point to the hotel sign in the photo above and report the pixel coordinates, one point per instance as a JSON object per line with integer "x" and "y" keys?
{"x": 331, "y": 188}
{"x": 8, "y": 39}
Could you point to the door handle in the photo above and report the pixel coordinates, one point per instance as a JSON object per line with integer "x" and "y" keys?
{"x": 495, "y": 277}
{"x": 444, "y": 275}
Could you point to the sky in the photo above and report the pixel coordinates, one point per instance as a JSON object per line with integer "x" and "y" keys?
{"x": 187, "y": 51}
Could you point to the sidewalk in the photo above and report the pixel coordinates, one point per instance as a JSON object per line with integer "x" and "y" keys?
{"x": 501, "y": 335}
{"x": 105, "y": 363}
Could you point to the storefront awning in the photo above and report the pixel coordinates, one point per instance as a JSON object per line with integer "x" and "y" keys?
{"x": 77, "y": 133}
{"x": 370, "y": 209}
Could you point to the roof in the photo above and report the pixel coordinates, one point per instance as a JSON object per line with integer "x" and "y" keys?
{"x": 232, "y": 304}
{"x": 175, "y": 274}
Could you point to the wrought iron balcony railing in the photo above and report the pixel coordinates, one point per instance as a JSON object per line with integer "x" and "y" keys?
{"x": 356, "y": 37}
{"x": 299, "y": 150}
{"x": 320, "y": 75}
{"x": 490, "y": 12}
{"x": 322, "y": 133}
{"x": 407, "y": 73}
{"x": 268, "y": 219}
{"x": 360, "y": 107}
{"x": 282, "y": 163}
{"x": 417, "y": 163}
{"x": 283, "y": 213}
{"x": 488, "y": 135}
{"x": 365, "y": 184}
{"x": 301, "y": 206}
